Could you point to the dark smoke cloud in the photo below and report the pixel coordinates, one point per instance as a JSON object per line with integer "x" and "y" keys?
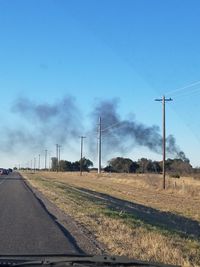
{"x": 43, "y": 123}
{"x": 173, "y": 149}
{"x": 129, "y": 133}
{"x": 29, "y": 109}
{"x": 47, "y": 124}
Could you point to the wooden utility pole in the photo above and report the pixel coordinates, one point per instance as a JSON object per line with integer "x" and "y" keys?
{"x": 81, "y": 162}
{"x": 45, "y": 159}
{"x": 99, "y": 146}
{"x": 39, "y": 162}
{"x": 163, "y": 100}
{"x": 57, "y": 157}
{"x": 59, "y": 147}
{"x": 50, "y": 161}
{"x": 34, "y": 164}
{"x": 164, "y": 142}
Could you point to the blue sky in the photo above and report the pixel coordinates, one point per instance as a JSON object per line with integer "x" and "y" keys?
{"x": 95, "y": 50}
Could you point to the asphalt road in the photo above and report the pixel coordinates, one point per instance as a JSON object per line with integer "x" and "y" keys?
{"x": 25, "y": 225}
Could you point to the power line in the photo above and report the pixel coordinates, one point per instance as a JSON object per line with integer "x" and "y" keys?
{"x": 193, "y": 92}
{"x": 92, "y": 133}
{"x": 172, "y": 92}
{"x": 120, "y": 126}
{"x": 111, "y": 126}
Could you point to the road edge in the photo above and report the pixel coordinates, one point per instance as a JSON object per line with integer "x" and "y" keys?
{"x": 84, "y": 238}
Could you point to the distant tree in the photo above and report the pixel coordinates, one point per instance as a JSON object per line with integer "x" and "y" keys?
{"x": 65, "y": 166}
{"x": 181, "y": 167}
{"x": 168, "y": 164}
{"x": 68, "y": 166}
{"x": 178, "y": 166}
{"x": 134, "y": 167}
{"x": 62, "y": 165}
{"x": 76, "y": 166}
{"x": 109, "y": 169}
{"x": 86, "y": 164}
{"x": 150, "y": 166}
{"x": 157, "y": 167}
{"x": 53, "y": 163}
{"x": 144, "y": 165}
{"x": 120, "y": 164}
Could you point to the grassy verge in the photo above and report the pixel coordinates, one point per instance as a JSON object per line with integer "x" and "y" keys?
{"x": 141, "y": 189}
{"x": 121, "y": 232}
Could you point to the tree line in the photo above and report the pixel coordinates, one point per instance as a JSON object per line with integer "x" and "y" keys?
{"x": 65, "y": 165}
{"x": 126, "y": 165}
{"x": 175, "y": 167}
{"x": 144, "y": 165}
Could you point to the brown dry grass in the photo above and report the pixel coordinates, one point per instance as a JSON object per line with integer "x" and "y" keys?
{"x": 181, "y": 196}
{"x": 126, "y": 235}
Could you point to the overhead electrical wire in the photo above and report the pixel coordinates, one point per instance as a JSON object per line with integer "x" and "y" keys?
{"x": 111, "y": 126}
{"x": 176, "y": 91}
{"x": 191, "y": 93}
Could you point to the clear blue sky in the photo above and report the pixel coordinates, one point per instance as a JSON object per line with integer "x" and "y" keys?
{"x": 134, "y": 50}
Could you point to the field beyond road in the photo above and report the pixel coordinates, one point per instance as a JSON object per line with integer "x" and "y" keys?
{"x": 130, "y": 213}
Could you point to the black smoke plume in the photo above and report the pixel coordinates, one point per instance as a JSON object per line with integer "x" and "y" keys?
{"x": 123, "y": 135}
{"x": 61, "y": 122}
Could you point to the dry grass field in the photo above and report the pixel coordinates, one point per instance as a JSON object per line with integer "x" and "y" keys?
{"x": 130, "y": 213}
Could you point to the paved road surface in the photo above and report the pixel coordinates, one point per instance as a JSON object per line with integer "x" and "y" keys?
{"x": 25, "y": 225}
